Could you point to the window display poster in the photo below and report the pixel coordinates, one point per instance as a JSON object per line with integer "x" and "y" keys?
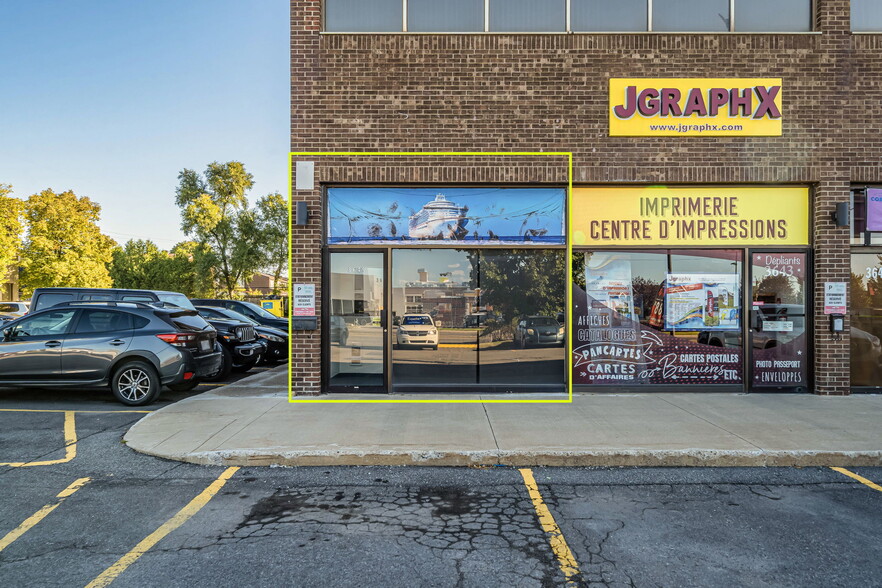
{"x": 702, "y": 302}
{"x": 874, "y": 209}
{"x": 608, "y": 284}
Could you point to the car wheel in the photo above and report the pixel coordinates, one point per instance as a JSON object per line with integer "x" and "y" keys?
{"x": 226, "y": 367}
{"x": 434, "y": 348}
{"x": 135, "y": 383}
{"x": 184, "y": 386}
{"x": 241, "y": 368}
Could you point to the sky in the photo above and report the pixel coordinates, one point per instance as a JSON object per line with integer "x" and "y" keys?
{"x": 113, "y": 98}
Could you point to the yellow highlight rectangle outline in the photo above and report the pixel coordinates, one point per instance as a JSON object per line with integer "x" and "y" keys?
{"x": 569, "y": 261}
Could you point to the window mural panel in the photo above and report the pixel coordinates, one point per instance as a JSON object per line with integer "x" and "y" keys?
{"x": 427, "y": 216}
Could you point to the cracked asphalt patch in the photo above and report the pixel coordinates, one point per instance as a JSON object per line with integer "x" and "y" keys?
{"x": 388, "y": 526}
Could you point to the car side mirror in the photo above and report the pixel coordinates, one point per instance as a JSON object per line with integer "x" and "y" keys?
{"x": 7, "y": 334}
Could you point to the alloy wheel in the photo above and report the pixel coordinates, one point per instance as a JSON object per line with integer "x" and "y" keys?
{"x": 134, "y": 384}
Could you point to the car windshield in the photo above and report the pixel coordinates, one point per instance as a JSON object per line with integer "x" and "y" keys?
{"x": 177, "y": 300}
{"x": 259, "y": 311}
{"x": 416, "y": 320}
{"x": 542, "y": 322}
{"x": 187, "y": 320}
{"x": 237, "y": 316}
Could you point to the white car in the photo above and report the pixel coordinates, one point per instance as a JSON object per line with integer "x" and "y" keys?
{"x": 14, "y": 309}
{"x": 417, "y": 330}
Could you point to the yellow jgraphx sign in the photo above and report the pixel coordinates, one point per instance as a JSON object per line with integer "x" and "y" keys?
{"x": 703, "y": 107}
{"x": 676, "y": 216}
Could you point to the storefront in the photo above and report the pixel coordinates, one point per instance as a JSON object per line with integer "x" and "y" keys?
{"x": 458, "y": 289}
{"x": 677, "y": 287}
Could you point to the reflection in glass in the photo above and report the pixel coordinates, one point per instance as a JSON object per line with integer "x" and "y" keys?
{"x": 866, "y": 319}
{"x": 657, "y": 317}
{"x": 354, "y": 321}
{"x": 522, "y": 301}
{"x": 453, "y": 16}
{"x": 363, "y": 16}
{"x": 690, "y": 16}
{"x": 778, "y": 320}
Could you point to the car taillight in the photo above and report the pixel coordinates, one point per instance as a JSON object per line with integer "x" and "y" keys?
{"x": 177, "y": 339}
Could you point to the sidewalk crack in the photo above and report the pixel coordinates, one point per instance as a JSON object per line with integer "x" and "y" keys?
{"x": 712, "y": 423}
{"x": 492, "y": 432}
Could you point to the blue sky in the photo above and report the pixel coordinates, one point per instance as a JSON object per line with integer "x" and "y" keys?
{"x": 112, "y": 98}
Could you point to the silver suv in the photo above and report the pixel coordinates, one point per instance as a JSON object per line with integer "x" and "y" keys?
{"x": 133, "y": 347}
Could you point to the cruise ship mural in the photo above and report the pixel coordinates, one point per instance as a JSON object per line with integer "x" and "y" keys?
{"x": 430, "y": 215}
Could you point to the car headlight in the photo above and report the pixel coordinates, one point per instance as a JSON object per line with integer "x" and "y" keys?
{"x": 433, "y": 332}
{"x": 530, "y": 331}
{"x": 273, "y": 338}
{"x": 560, "y": 331}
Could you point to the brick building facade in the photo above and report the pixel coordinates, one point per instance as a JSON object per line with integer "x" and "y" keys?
{"x": 549, "y": 92}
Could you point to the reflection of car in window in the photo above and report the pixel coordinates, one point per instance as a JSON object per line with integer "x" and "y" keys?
{"x": 417, "y": 330}
{"x": 538, "y": 330}
{"x": 338, "y": 330}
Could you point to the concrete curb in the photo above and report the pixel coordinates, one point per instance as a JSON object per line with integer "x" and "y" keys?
{"x": 587, "y": 458}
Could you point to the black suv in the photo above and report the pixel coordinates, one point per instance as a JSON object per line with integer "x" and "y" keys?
{"x": 240, "y": 346}
{"x": 46, "y": 297}
{"x": 249, "y": 309}
{"x": 276, "y": 340}
{"x": 135, "y": 348}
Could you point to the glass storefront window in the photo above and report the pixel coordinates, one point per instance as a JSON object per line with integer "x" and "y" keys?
{"x": 470, "y": 316}
{"x": 460, "y": 16}
{"x": 657, "y": 317}
{"x": 787, "y": 16}
{"x": 515, "y": 16}
{"x": 606, "y": 16}
{"x": 859, "y": 216}
{"x": 866, "y": 15}
{"x": 687, "y": 16}
{"x": 363, "y": 16}
{"x": 866, "y": 319}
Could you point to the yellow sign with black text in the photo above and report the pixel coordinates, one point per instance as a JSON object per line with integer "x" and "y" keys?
{"x": 695, "y": 107}
{"x": 699, "y": 216}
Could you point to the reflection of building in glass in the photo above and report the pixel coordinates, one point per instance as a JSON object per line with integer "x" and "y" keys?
{"x": 447, "y": 301}
{"x": 356, "y": 294}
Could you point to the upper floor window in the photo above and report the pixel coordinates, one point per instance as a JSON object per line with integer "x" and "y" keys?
{"x": 866, "y": 16}
{"x": 558, "y": 16}
{"x": 866, "y": 216}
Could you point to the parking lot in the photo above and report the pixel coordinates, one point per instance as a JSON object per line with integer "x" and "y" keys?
{"x": 81, "y": 509}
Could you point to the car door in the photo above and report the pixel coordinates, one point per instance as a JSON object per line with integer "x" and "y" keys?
{"x": 31, "y": 349}
{"x": 98, "y": 338}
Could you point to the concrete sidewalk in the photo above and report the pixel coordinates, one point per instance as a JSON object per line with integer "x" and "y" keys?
{"x": 251, "y": 422}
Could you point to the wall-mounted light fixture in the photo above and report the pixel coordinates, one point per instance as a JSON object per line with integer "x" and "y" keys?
{"x": 300, "y": 214}
{"x": 840, "y": 216}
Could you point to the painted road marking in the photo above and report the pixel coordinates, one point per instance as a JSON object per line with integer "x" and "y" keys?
{"x": 183, "y": 515}
{"x": 860, "y": 479}
{"x": 38, "y": 516}
{"x": 70, "y": 446}
{"x": 81, "y": 411}
{"x": 565, "y": 558}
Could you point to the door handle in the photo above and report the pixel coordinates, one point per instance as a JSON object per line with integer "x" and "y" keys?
{"x": 53, "y": 343}
{"x": 117, "y": 342}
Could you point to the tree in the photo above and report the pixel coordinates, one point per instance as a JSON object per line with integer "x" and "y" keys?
{"x": 518, "y": 283}
{"x": 11, "y": 228}
{"x": 272, "y": 217}
{"x": 214, "y": 210}
{"x": 136, "y": 265}
{"x": 142, "y": 265}
{"x": 64, "y": 246}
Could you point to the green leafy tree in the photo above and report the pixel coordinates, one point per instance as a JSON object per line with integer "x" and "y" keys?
{"x": 520, "y": 283}
{"x": 272, "y": 217}
{"x": 187, "y": 268}
{"x": 64, "y": 246}
{"x": 214, "y": 211}
{"x": 136, "y": 265}
{"x": 11, "y": 229}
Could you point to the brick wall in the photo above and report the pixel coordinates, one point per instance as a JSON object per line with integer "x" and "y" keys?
{"x": 549, "y": 93}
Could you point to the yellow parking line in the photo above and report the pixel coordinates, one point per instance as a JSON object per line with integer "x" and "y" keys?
{"x": 63, "y": 410}
{"x": 565, "y": 558}
{"x": 860, "y": 479}
{"x": 70, "y": 446}
{"x": 183, "y": 515}
{"x": 458, "y": 345}
{"x": 38, "y": 516}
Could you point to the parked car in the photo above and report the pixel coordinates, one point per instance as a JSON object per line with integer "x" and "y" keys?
{"x": 240, "y": 346}
{"x": 339, "y": 331}
{"x": 46, "y": 297}
{"x": 13, "y": 309}
{"x": 249, "y": 309}
{"x": 418, "y": 330}
{"x": 135, "y": 348}
{"x": 276, "y": 340}
{"x": 538, "y": 330}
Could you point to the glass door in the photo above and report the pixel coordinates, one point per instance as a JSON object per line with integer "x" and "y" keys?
{"x": 778, "y": 329}
{"x": 356, "y": 330}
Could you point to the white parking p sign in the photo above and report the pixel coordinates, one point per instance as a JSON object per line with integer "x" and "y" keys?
{"x": 304, "y": 300}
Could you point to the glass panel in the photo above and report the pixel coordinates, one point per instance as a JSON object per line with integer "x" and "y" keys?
{"x": 456, "y": 16}
{"x": 103, "y": 321}
{"x": 606, "y": 16}
{"x": 528, "y": 15}
{"x": 657, "y": 317}
{"x": 778, "y": 321}
{"x": 355, "y": 327}
{"x": 690, "y": 15}
{"x": 866, "y": 15}
{"x": 866, "y": 319}
{"x": 520, "y": 313}
{"x": 363, "y": 16}
{"x": 48, "y": 324}
{"x": 859, "y": 216}
{"x": 51, "y": 299}
{"x": 777, "y": 17}
{"x": 434, "y": 302}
